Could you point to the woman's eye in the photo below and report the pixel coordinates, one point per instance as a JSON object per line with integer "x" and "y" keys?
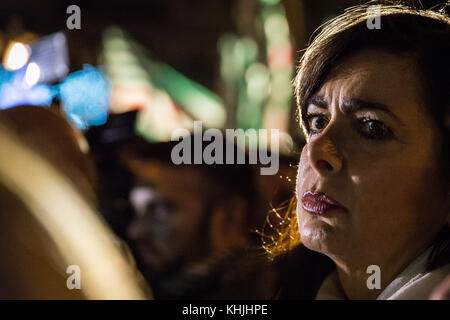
{"x": 316, "y": 122}
{"x": 374, "y": 129}
{"x": 369, "y": 128}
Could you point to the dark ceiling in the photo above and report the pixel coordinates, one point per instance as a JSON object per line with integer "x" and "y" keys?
{"x": 181, "y": 33}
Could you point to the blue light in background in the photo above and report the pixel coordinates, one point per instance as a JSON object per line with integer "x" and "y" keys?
{"x": 14, "y": 92}
{"x": 85, "y": 97}
{"x": 84, "y": 94}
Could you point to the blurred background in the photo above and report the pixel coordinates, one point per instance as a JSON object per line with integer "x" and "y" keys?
{"x": 124, "y": 75}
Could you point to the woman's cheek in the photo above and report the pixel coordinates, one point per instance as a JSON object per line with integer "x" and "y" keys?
{"x": 381, "y": 191}
{"x": 301, "y": 174}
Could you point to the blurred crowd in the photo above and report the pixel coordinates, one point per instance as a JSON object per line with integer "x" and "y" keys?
{"x": 186, "y": 231}
{"x": 88, "y": 182}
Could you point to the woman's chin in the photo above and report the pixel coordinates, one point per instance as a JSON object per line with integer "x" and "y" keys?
{"x": 318, "y": 235}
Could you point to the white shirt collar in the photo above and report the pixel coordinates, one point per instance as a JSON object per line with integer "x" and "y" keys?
{"x": 414, "y": 283}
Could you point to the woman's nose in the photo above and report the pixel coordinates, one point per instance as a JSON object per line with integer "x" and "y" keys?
{"x": 324, "y": 156}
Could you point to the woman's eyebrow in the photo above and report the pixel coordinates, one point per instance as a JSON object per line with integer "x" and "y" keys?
{"x": 352, "y": 105}
{"x": 318, "y": 101}
{"x": 349, "y": 106}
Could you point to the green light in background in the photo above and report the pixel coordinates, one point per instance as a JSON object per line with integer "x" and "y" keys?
{"x": 121, "y": 63}
{"x": 257, "y": 77}
{"x": 195, "y": 99}
{"x": 276, "y": 29}
{"x": 130, "y": 65}
{"x": 270, "y": 2}
{"x": 238, "y": 54}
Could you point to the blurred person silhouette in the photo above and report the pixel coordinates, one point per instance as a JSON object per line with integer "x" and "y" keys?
{"x": 48, "y": 216}
{"x": 193, "y": 229}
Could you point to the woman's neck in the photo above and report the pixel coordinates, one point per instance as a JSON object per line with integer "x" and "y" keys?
{"x": 362, "y": 282}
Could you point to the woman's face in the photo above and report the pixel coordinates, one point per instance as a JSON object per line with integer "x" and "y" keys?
{"x": 373, "y": 148}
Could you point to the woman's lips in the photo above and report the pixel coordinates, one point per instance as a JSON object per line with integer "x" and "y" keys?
{"x": 319, "y": 203}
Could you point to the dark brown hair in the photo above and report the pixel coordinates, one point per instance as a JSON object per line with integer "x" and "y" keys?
{"x": 422, "y": 34}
